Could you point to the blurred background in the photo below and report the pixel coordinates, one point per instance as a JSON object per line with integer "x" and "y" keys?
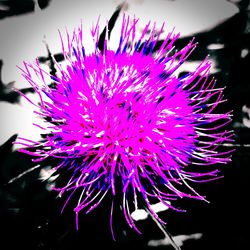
{"x": 30, "y": 212}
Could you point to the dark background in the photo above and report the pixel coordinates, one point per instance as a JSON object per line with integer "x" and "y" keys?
{"x": 30, "y": 213}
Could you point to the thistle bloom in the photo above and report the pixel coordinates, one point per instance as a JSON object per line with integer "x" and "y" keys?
{"x": 122, "y": 122}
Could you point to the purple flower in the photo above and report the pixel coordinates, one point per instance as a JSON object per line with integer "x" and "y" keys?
{"x": 122, "y": 122}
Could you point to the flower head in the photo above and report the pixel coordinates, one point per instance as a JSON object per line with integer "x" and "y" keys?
{"x": 122, "y": 120}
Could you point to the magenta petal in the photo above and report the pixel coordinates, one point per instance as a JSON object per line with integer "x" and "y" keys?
{"x": 124, "y": 115}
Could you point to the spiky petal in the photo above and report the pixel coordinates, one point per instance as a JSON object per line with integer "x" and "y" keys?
{"x": 124, "y": 121}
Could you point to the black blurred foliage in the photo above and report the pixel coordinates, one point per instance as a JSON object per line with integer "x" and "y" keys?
{"x": 7, "y": 93}
{"x": 10, "y": 8}
{"x": 29, "y": 211}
